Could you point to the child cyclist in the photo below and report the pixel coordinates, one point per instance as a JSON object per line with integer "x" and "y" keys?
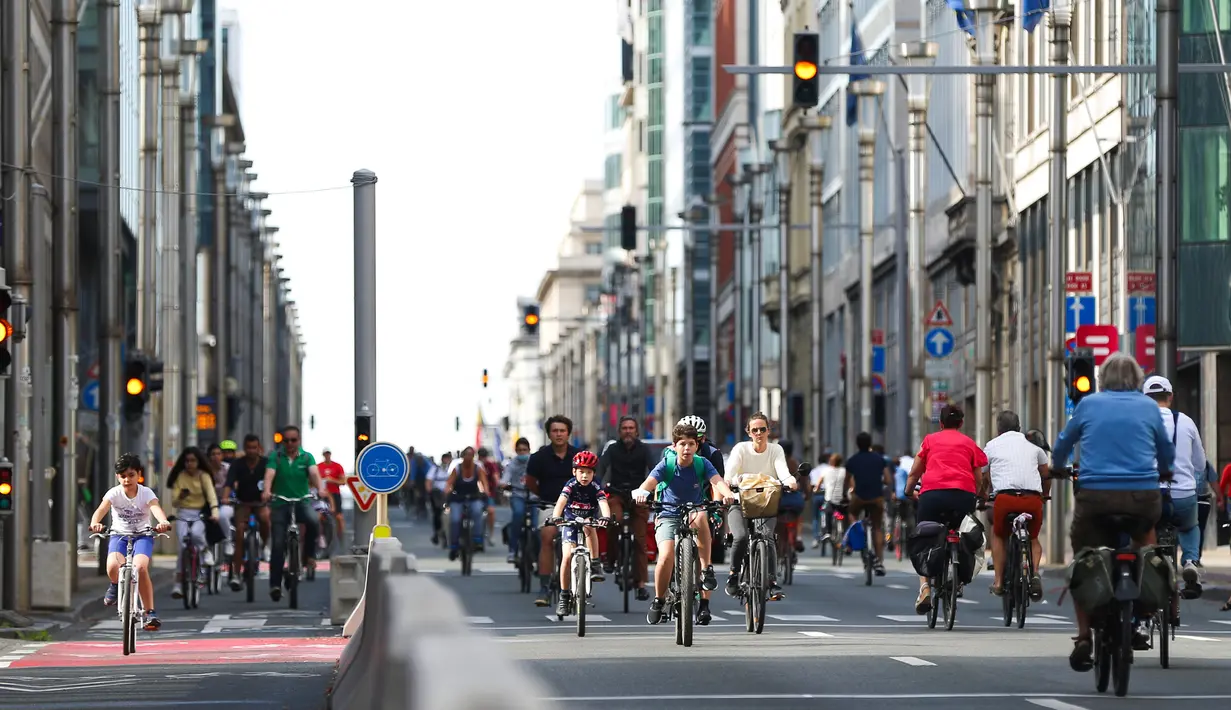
{"x": 578, "y": 500}
{"x": 131, "y": 505}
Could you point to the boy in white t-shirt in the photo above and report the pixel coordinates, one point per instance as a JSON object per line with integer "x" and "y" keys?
{"x": 131, "y": 505}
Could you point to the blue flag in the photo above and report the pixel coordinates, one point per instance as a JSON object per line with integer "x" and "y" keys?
{"x": 1033, "y": 12}
{"x": 858, "y": 59}
{"x": 966, "y": 18}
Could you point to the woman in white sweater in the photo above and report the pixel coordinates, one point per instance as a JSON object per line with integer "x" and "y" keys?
{"x": 750, "y": 458}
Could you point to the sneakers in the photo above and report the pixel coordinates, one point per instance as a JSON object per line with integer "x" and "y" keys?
{"x": 177, "y": 592}
{"x": 1036, "y": 588}
{"x": 597, "y": 576}
{"x": 453, "y": 554}
{"x": 775, "y": 592}
{"x": 1082, "y": 657}
{"x": 816, "y": 542}
{"x": 275, "y": 593}
{"x": 878, "y": 568}
{"x": 708, "y": 581}
{"x": 643, "y": 594}
{"x": 152, "y": 623}
{"x": 207, "y": 558}
{"x": 236, "y": 585}
{"x": 511, "y": 559}
{"x": 1141, "y": 639}
{"x": 113, "y": 590}
{"x": 1192, "y": 580}
{"x": 541, "y": 599}
{"x": 732, "y": 585}
{"x": 565, "y": 606}
{"x": 656, "y": 610}
{"x": 703, "y": 615}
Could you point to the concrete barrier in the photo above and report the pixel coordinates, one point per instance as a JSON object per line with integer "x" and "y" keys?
{"x": 347, "y": 574}
{"x": 413, "y": 649}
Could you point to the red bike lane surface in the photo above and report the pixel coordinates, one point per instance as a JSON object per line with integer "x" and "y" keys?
{"x": 197, "y": 651}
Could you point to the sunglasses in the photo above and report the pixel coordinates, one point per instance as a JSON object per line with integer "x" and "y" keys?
{"x": 758, "y": 429}
{"x": 291, "y": 441}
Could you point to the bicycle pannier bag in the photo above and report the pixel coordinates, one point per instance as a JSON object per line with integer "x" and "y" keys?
{"x": 970, "y": 559}
{"x": 926, "y": 548}
{"x": 855, "y": 537}
{"x": 1089, "y": 578}
{"x": 1158, "y": 578}
{"x": 759, "y": 496}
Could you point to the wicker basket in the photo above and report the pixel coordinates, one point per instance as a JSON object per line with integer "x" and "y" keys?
{"x": 759, "y": 496}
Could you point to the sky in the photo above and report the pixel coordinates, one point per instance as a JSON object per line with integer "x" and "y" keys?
{"x": 481, "y": 120}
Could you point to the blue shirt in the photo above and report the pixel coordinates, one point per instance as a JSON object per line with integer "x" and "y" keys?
{"x": 868, "y": 470}
{"x": 1121, "y": 436}
{"x": 899, "y": 478}
{"x": 685, "y": 486}
{"x": 582, "y": 501}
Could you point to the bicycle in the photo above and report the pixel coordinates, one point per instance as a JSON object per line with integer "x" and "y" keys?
{"x": 866, "y": 554}
{"x": 1015, "y": 592}
{"x": 190, "y": 567}
{"x": 837, "y": 535}
{"x": 625, "y": 578}
{"x": 787, "y": 556}
{"x": 294, "y": 555}
{"x": 582, "y": 584}
{"x": 528, "y": 540}
{"x": 684, "y": 589}
{"x": 252, "y": 554}
{"x": 1113, "y": 626}
{"x": 325, "y": 517}
{"x": 945, "y": 586}
{"x": 754, "y": 574}
{"x": 128, "y": 602}
{"x": 1166, "y": 620}
{"x": 465, "y": 540}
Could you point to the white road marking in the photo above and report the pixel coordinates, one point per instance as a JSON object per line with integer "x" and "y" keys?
{"x": 222, "y": 622}
{"x": 816, "y": 634}
{"x": 1195, "y": 638}
{"x": 1036, "y": 620}
{"x": 856, "y": 696}
{"x": 896, "y": 586}
{"x": 326, "y": 622}
{"x": 589, "y": 618}
{"x": 911, "y": 661}
{"x": 789, "y": 618}
{"x": 1219, "y": 621}
{"x": 479, "y": 620}
{"x": 967, "y": 601}
{"x": 1052, "y": 616}
{"x": 1053, "y": 704}
{"x": 901, "y": 618}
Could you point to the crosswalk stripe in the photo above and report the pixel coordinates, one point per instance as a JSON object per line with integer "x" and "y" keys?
{"x": 479, "y": 620}
{"x": 816, "y": 634}
{"x": 589, "y": 618}
{"x": 912, "y": 661}
{"x": 901, "y": 618}
{"x": 1037, "y": 619}
{"x": 800, "y": 617}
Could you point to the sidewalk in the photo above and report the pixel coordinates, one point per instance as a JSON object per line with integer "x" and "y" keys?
{"x": 87, "y": 601}
{"x": 1217, "y": 582}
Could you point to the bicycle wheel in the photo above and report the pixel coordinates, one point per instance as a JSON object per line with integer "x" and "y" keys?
{"x": 186, "y": 578}
{"x": 581, "y": 580}
{"x": 868, "y": 556}
{"x": 761, "y": 598}
{"x": 626, "y": 566}
{"x": 1009, "y": 588}
{"x": 252, "y": 564}
{"x": 194, "y": 587}
{"x": 951, "y": 595}
{"x": 1164, "y": 637}
{"x": 1102, "y": 659}
{"x": 747, "y": 590}
{"x": 127, "y": 623}
{"x": 1022, "y": 591}
{"x": 1122, "y": 659}
{"x": 292, "y": 553}
{"x": 691, "y": 568}
{"x": 935, "y": 590}
{"x": 465, "y": 545}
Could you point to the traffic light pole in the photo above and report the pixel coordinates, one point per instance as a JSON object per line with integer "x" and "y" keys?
{"x": 365, "y": 338}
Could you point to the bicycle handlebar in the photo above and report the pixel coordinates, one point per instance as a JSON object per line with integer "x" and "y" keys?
{"x": 146, "y": 532}
{"x": 686, "y": 508}
{"x": 292, "y": 500}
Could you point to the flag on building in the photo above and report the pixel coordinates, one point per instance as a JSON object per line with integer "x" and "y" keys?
{"x": 1033, "y": 12}
{"x": 857, "y": 59}
{"x": 965, "y": 18}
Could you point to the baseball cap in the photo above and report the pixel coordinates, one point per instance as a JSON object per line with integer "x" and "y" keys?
{"x": 326, "y": 451}
{"x": 1156, "y": 384}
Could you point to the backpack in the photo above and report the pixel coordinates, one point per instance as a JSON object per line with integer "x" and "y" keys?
{"x": 698, "y": 465}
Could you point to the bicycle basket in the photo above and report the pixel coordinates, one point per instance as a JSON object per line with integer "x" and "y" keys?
{"x": 759, "y": 497}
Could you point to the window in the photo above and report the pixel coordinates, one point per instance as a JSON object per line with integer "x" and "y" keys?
{"x": 1195, "y": 17}
{"x": 699, "y": 109}
{"x": 593, "y": 291}
{"x": 1203, "y": 184}
{"x": 702, "y": 23}
{"x": 612, "y": 171}
{"x": 656, "y": 71}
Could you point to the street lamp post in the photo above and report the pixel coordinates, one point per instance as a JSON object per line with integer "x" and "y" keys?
{"x": 782, "y": 154}
{"x": 819, "y": 125}
{"x": 867, "y": 91}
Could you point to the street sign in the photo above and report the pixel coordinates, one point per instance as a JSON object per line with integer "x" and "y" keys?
{"x": 878, "y": 383}
{"x": 382, "y": 467}
{"x": 939, "y": 342}
{"x": 89, "y": 396}
{"x": 878, "y": 358}
{"x": 1070, "y": 346}
{"x": 1079, "y": 282}
{"x": 1102, "y": 339}
{"x": 938, "y": 368}
{"x": 1144, "y": 347}
{"x": 363, "y": 497}
{"x": 939, "y": 317}
{"x": 878, "y": 337}
{"x": 939, "y": 399}
{"x": 1140, "y": 282}
{"x": 1078, "y": 311}
{"x": 91, "y": 372}
{"x": 1140, "y": 312}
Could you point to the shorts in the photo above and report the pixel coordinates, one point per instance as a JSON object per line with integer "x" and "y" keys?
{"x": 491, "y": 501}
{"x": 334, "y": 499}
{"x": 571, "y": 534}
{"x": 666, "y": 526}
{"x": 143, "y": 545}
{"x": 1091, "y": 509}
{"x": 1008, "y": 506}
{"x": 875, "y": 508}
{"x": 946, "y": 506}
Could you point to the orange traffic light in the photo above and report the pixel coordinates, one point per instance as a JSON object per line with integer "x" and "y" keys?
{"x": 6, "y": 330}
{"x": 805, "y": 70}
{"x": 1082, "y": 384}
{"x": 363, "y": 437}
{"x": 532, "y": 319}
{"x": 277, "y": 437}
{"x": 135, "y": 386}
{"x": 5, "y": 489}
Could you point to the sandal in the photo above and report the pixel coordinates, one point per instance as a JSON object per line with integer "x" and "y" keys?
{"x": 996, "y": 589}
{"x": 1227, "y": 606}
{"x": 923, "y": 604}
{"x": 1082, "y": 657}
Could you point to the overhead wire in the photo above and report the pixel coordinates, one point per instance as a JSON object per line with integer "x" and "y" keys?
{"x": 156, "y": 191}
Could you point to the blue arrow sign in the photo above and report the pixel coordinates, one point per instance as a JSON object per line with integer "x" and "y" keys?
{"x": 878, "y": 358}
{"x": 382, "y": 467}
{"x": 1078, "y": 311}
{"x": 1140, "y": 312}
{"x": 89, "y": 396}
{"x": 939, "y": 342}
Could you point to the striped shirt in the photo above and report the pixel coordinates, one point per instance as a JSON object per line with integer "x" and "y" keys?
{"x": 1014, "y": 463}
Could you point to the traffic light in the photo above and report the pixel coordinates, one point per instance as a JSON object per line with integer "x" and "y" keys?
{"x": 457, "y": 423}
{"x": 6, "y": 329}
{"x": 6, "y": 488}
{"x": 154, "y": 373}
{"x": 277, "y": 437}
{"x": 1080, "y": 366}
{"x": 806, "y": 89}
{"x": 628, "y": 228}
{"x": 136, "y": 387}
{"x": 485, "y": 378}
{"x": 530, "y": 319}
{"x": 363, "y": 434}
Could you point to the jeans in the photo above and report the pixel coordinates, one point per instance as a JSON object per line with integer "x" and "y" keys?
{"x": 475, "y": 508}
{"x": 280, "y": 520}
{"x": 1182, "y": 512}
{"x": 518, "y": 505}
{"x": 738, "y": 527}
{"x": 818, "y": 505}
{"x": 188, "y": 523}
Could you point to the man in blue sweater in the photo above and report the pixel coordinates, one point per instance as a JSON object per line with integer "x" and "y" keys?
{"x": 1121, "y": 436}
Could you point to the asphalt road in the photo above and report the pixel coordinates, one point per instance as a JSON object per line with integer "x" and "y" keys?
{"x": 831, "y": 640}
{"x": 225, "y": 653}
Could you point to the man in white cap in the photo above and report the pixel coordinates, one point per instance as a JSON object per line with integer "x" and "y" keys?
{"x": 1189, "y": 463}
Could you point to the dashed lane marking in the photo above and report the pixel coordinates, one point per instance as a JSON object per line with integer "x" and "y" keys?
{"x": 589, "y": 618}
{"x": 1195, "y": 638}
{"x": 791, "y": 618}
{"x": 1053, "y": 704}
{"x": 479, "y": 620}
{"x": 911, "y": 661}
{"x": 816, "y": 634}
{"x": 1037, "y": 620}
{"x": 896, "y": 586}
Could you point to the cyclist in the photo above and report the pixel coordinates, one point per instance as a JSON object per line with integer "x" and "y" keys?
{"x": 290, "y": 473}
{"x": 547, "y": 471}
{"x": 190, "y": 484}
{"x": 131, "y": 505}
{"x": 245, "y": 481}
{"x": 705, "y": 449}
{"x": 832, "y": 487}
{"x": 866, "y": 480}
{"x": 437, "y": 479}
{"x": 758, "y": 456}
{"x": 514, "y": 474}
{"x": 467, "y": 481}
{"x": 622, "y": 468}
{"x": 578, "y": 499}
{"x": 491, "y": 471}
{"x": 229, "y": 450}
{"x": 953, "y": 472}
{"x": 219, "y": 464}
{"x": 677, "y": 488}
{"x": 334, "y": 477}
{"x": 1018, "y": 471}
{"x": 1125, "y": 452}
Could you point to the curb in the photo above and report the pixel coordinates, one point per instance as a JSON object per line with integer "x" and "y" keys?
{"x": 86, "y": 609}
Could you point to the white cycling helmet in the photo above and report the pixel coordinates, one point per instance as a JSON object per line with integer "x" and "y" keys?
{"x": 694, "y": 421}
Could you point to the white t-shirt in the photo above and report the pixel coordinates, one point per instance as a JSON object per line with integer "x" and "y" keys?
{"x": 834, "y": 484}
{"x": 815, "y": 476}
{"x": 438, "y": 476}
{"x": 130, "y": 515}
{"x": 745, "y": 461}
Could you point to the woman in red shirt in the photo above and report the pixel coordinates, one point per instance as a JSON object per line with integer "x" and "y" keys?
{"x": 953, "y": 470}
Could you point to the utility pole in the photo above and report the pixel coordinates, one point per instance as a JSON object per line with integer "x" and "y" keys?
{"x": 16, "y": 107}
{"x": 173, "y": 322}
{"x": 1057, "y": 203}
{"x": 188, "y": 258}
{"x": 111, "y": 323}
{"x": 757, "y": 285}
{"x": 986, "y": 13}
{"x": 819, "y": 126}
{"x": 782, "y": 155}
{"x": 64, "y": 108}
{"x": 918, "y": 53}
{"x": 149, "y": 20}
{"x": 738, "y": 316}
{"x": 867, "y": 91}
{"x": 365, "y": 331}
{"x": 713, "y": 240}
{"x": 1167, "y": 186}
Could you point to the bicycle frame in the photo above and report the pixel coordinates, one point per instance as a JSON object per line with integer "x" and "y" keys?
{"x": 294, "y": 553}
{"x": 128, "y": 599}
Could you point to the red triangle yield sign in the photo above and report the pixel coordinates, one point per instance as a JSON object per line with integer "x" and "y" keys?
{"x": 939, "y": 315}
{"x": 363, "y": 497}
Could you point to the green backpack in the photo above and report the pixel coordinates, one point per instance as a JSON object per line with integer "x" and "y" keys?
{"x": 698, "y": 465}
